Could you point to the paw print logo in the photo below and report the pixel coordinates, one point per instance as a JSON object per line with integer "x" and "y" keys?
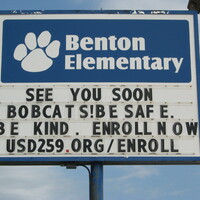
{"x": 36, "y": 54}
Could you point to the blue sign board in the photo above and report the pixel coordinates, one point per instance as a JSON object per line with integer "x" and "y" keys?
{"x": 90, "y": 50}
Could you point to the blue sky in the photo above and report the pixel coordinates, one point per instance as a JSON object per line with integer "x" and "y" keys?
{"x": 93, "y": 4}
{"x": 120, "y": 182}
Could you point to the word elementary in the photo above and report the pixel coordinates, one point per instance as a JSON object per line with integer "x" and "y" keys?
{"x": 113, "y": 44}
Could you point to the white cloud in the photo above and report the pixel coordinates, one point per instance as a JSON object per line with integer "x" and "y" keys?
{"x": 137, "y": 181}
{"x": 131, "y": 172}
{"x": 160, "y": 192}
{"x": 142, "y": 171}
{"x": 46, "y": 183}
{"x": 145, "y": 4}
{"x": 128, "y": 179}
{"x": 177, "y": 192}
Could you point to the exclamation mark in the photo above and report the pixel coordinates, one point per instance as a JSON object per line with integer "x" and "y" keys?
{"x": 91, "y": 111}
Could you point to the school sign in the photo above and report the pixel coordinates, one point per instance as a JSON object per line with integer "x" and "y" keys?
{"x": 115, "y": 87}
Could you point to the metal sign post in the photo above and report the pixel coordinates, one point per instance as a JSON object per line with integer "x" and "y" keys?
{"x": 95, "y": 174}
{"x": 96, "y": 182}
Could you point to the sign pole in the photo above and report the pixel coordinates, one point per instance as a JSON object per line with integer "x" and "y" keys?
{"x": 96, "y": 182}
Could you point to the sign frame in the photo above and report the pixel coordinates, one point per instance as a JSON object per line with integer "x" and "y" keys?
{"x": 119, "y": 160}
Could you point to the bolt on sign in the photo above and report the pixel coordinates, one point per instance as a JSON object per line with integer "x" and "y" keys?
{"x": 110, "y": 86}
